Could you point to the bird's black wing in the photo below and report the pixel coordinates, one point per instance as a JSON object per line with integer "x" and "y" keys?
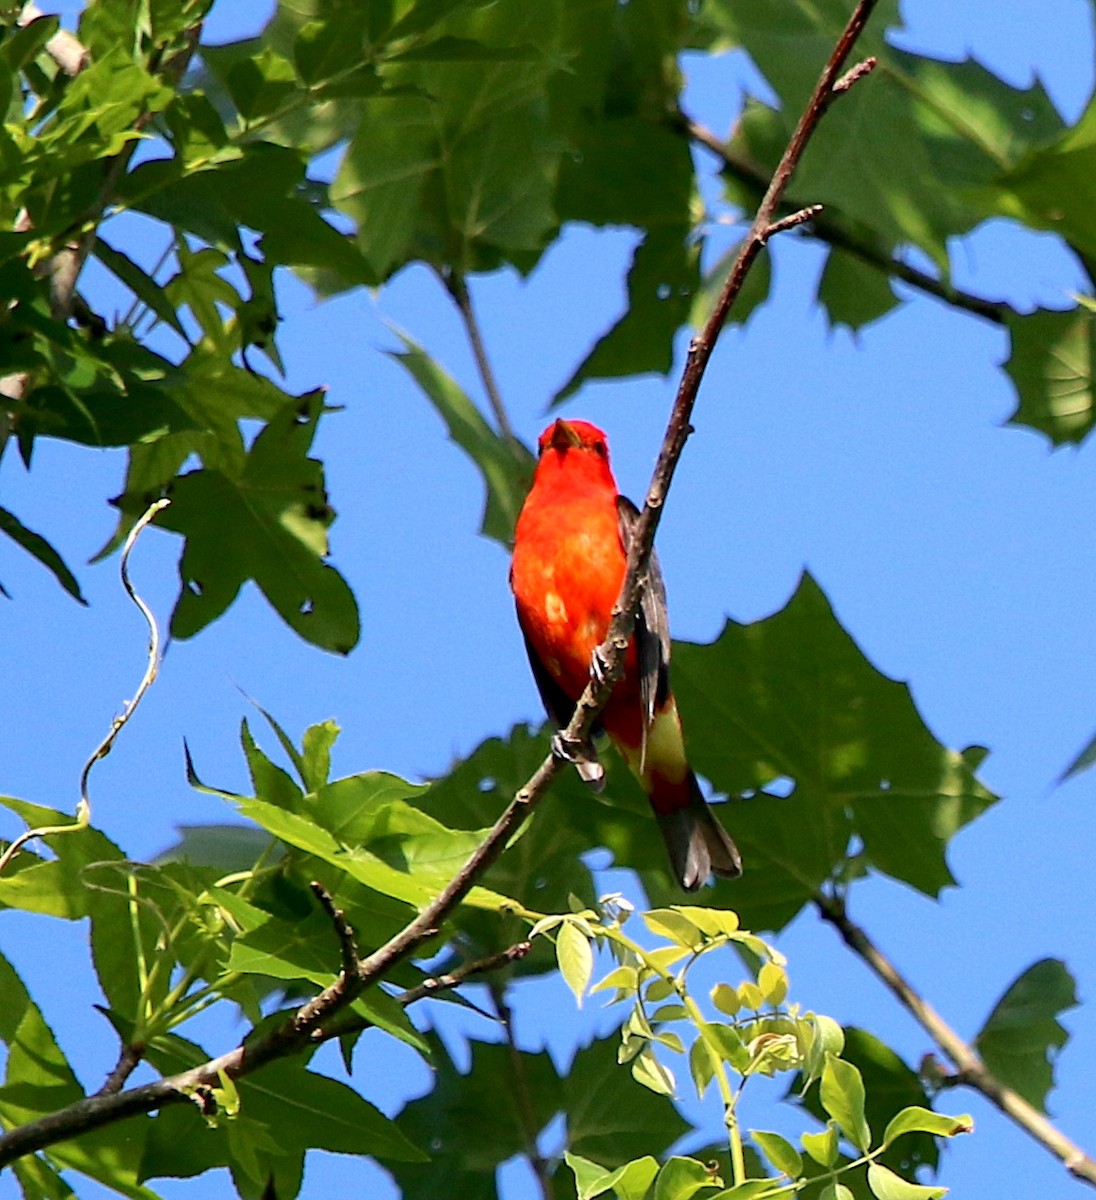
{"x": 652, "y": 634}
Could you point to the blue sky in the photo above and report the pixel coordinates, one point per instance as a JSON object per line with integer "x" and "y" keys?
{"x": 957, "y": 552}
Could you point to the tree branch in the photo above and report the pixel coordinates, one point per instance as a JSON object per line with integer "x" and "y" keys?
{"x": 106, "y": 1108}
{"x": 831, "y": 231}
{"x": 969, "y": 1067}
{"x": 307, "y": 1025}
{"x": 348, "y": 943}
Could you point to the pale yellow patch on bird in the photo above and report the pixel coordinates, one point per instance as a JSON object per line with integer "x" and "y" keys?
{"x": 665, "y": 746}
{"x": 554, "y": 609}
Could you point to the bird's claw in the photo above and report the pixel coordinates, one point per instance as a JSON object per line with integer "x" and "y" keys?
{"x": 570, "y": 750}
{"x": 599, "y": 667}
{"x": 583, "y": 757}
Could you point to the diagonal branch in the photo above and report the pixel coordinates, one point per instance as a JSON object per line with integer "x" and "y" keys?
{"x": 107, "y": 1108}
{"x": 311, "y": 1022}
{"x": 969, "y": 1067}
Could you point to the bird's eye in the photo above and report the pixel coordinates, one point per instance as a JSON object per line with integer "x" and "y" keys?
{"x": 600, "y": 449}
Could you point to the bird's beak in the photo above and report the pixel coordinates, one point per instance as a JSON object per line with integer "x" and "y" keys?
{"x": 564, "y": 436}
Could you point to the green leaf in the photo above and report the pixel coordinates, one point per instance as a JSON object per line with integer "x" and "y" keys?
{"x": 359, "y": 808}
{"x": 923, "y": 1120}
{"x": 891, "y": 1086}
{"x": 226, "y": 848}
{"x": 647, "y": 1070}
{"x": 38, "y": 1082}
{"x": 772, "y": 981}
{"x": 466, "y": 1149}
{"x": 140, "y": 283}
{"x": 324, "y": 1113}
{"x": 822, "y": 1147}
{"x": 629, "y": 1182}
{"x": 667, "y": 923}
{"x": 1021, "y": 1039}
{"x": 1081, "y": 763}
{"x": 57, "y": 887}
{"x": 270, "y": 782}
{"x": 260, "y": 82}
{"x": 854, "y": 293}
{"x": 1051, "y": 366}
{"x": 576, "y": 959}
{"x": 886, "y": 1185}
{"x": 268, "y": 524}
{"x": 806, "y": 705}
{"x": 1053, "y": 184}
{"x": 843, "y": 1098}
{"x": 506, "y": 464}
{"x": 780, "y": 1152}
{"x": 39, "y": 548}
{"x": 662, "y": 280}
{"x": 963, "y": 129}
{"x": 681, "y": 1179}
{"x": 38, "y": 1180}
{"x": 610, "y": 1118}
{"x": 316, "y": 749}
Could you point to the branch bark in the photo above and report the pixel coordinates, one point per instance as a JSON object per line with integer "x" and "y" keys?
{"x": 970, "y": 1070}
{"x": 307, "y": 1025}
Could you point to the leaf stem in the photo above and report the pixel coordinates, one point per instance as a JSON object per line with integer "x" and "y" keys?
{"x": 457, "y": 288}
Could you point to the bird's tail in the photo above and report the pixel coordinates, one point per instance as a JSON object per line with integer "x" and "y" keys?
{"x": 697, "y": 843}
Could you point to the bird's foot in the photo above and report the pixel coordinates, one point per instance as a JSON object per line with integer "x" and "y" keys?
{"x": 583, "y": 757}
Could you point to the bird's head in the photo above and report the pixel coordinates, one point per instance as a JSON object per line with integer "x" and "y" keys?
{"x": 563, "y": 437}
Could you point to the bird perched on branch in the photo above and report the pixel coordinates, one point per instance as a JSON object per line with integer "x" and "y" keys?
{"x": 570, "y": 552}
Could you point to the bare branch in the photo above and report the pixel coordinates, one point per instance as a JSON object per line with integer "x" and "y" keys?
{"x": 128, "y": 1061}
{"x": 855, "y": 73}
{"x": 970, "y": 1069}
{"x": 343, "y": 929}
{"x": 800, "y": 217}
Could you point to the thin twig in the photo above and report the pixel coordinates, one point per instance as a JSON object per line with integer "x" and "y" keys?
{"x": 523, "y": 1097}
{"x": 83, "y": 808}
{"x": 343, "y": 929}
{"x": 313, "y": 1020}
{"x": 833, "y": 233}
{"x": 151, "y": 670}
{"x": 128, "y": 1061}
{"x": 456, "y": 286}
{"x": 969, "y": 1067}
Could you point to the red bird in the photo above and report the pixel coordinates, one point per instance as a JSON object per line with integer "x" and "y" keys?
{"x": 570, "y": 552}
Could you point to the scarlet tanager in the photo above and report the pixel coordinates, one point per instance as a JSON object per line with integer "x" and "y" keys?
{"x": 570, "y": 552}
